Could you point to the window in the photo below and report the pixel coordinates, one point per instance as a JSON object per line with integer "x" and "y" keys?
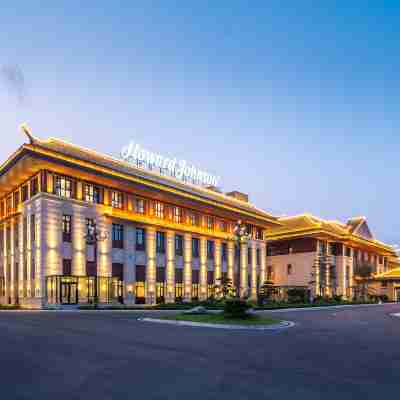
{"x": 66, "y": 228}
{"x": 249, "y": 255}
{"x": 116, "y": 199}
{"x": 140, "y": 239}
{"x": 195, "y": 247}
{"x": 139, "y": 206}
{"x": 258, "y": 255}
{"x": 33, "y": 228}
{"x": 16, "y": 200}
{"x": 177, "y": 215}
{"x": 224, "y": 251}
{"x": 159, "y": 209}
{"x": 16, "y": 236}
{"x": 259, "y": 234}
{"x": 34, "y": 186}
{"x": 160, "y": 242}
{"x": 193, "y": 219}
{"x": 269, "y": 251}
{"x": 270, "y": 273}
{"x": 92, "y": 194}
{"x": 380, "y": 259}
{"x": 178, "y": 245}
{"x": 223, "y": 225}
{"x": 210, "y": 249}
{"x": 63, "y": 187}
{"x": 2, "y": 210}
{"x": 24, "y": 193}
{"x": 210, "y": 223}
{"x": 289, "y": 269}
{"x": 117, "y": 236}
{"x": 9, "y": 205}
{"x": 348, "y": 251}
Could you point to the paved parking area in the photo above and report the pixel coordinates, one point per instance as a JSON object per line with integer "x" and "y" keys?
{"x": 330, "y": 354}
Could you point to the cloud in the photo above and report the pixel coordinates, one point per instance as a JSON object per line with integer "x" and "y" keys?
{"x": 13, "y": 78}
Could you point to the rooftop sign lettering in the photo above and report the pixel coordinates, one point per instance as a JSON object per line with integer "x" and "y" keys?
{"x": 180, "y": 169}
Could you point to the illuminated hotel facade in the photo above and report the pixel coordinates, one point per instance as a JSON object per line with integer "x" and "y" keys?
{"x": 159, "y": 239}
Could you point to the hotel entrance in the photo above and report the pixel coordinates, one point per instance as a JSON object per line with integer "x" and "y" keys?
{"x": 69, "y": 292}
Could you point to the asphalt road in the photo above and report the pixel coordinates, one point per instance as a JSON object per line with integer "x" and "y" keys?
{"x": 329, "y": 354}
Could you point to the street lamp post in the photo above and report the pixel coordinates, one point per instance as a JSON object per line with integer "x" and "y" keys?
{"x": 242, "y": 237}
{"x": 92, "y": 237}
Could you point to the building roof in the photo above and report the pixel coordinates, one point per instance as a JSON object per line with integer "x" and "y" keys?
{"x": 356, "y": 230}
{"x": 53, "y": 147}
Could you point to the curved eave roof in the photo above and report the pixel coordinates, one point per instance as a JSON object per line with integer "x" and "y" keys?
{"x": 81, "y": 156}
{"x": 308, "y": 225}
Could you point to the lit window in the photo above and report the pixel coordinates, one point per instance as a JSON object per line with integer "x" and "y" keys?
{"x": 289, "y": 269}
{"x": 210, "y": 223}
{"x": 66, "y": 228}
{"x": 63, "y": 187}
{"x": 139, "y": 206}
{"x": 159, "y": 209}
{"x": 193, "y": 219}
{"x": 177, "y": 215}
{"x": 223, "y": 226}
{"x": 116, "y": 199}
{"x": 92, "y": 194}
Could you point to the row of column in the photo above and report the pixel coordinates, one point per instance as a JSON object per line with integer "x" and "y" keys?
{"x": 245, "y": 269}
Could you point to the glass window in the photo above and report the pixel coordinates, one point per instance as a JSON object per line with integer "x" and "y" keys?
{"x": 178, "y": 245}
{"x": 140, "y": 239}
{"x": 258, "y": 255}
{"x": 289, "y": 269}
{"x": 223, "y": 226}
{"x": 24, "y": 193}
{"x": 66, "y": 227}
{"x": 224, "y": 251}
{"x": 210, "y": 249}
{"x": 9, "y": 205}
{"x": 33, "y": 227}
{"x": 63, "y": 187}
{"x": 210, "y": 223}
{"x": 193, "y": 219}
{"x": 195, "y": 247}
{"x": 117, "y": 236}
{"x": 139, "y": 206}
{"x": 116, "y": 199}
{"x": 177, "y": 215}
{"x": 92, "y": 194}
{"x": 160, "y": 242}
{"x": 34, "y": 186}
{"x": 159, "y": 209}
{"x": 259, "y": 234}
{"x": 16, "y": 200}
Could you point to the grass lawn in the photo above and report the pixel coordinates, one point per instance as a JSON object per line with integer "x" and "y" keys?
{"x": 220, "y": 319}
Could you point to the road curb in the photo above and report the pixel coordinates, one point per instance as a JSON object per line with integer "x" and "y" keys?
{"x": 282, "y": 325}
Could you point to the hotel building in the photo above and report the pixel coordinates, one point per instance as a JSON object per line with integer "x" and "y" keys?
{"x": 322, "y": 256}
{"x": 159, "y": 239}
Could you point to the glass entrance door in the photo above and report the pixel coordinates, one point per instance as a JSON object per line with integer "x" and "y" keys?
{"x": 69, "y": 293}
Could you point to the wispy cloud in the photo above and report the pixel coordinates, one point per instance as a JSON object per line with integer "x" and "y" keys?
{"x": 13, "y": 79}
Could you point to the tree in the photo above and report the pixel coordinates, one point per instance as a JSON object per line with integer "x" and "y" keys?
{"x": 362, "y": 273}
{"x": 224, "y": 287}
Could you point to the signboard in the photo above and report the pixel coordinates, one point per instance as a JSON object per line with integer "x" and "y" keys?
{"x": 179, "y": 169}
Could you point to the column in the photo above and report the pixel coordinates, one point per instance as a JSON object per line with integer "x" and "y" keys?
{"x": 151, "y": 265}
{"x": 78, "y": 245}
{"x": 129, "y": 264}
{"x": 12, "y": 258}
{"x": 263, "y": 263}
{"x": 244, "y": 281}
{"x": 203, "y": 269}
{"x": 317, "y": 268}
{"x": 170, "y": 268}
{"x": 351, "y": 273}
{"x": 104, "y": 259}
{"x": 21, "y": 258}
{"x": 231, "y": 262}
{"x": 253, "y": 289}
{"x": 217, "y": 263}
{"x": 6, "y": 263}
{"x": 29, "y": 254}
{"x": 187, "y": 267}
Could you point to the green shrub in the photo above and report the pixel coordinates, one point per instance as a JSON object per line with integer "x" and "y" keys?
{"x": 297, "y": 295}
{"x": 236, "y": 308}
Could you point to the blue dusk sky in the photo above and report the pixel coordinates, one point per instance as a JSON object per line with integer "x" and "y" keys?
{"x": 295, "y": 103}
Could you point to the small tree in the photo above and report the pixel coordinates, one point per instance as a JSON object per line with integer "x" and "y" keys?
{"x": 224, "y": 287}
{"x": 363, "y": 273}
{"x": 266, "y": 292}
